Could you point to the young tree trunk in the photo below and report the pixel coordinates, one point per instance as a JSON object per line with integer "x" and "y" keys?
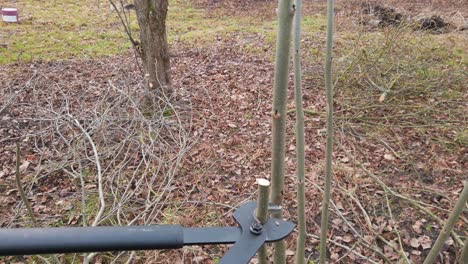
{"x": 151, "y": 16}
{"x": 283, "y": 42}
{"x": 464, "y": 254}
{"x": 300, "y": 142}
{"x": 329, "y": 148}
{"x": 445, "y": 232}
{"x": 262, "y": 214}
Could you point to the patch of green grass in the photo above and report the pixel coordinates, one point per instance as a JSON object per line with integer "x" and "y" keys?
{"x": 168, "y": 113}
{"x": 83, "y": 29}
{"x": 462, "y": 137}
{"x": 190, "y": 25}
{"x": 92, "y": 205}
{"x": 428, "y": 227}
{"x": 54, "y": 30}
{"x": 51, "y": 30}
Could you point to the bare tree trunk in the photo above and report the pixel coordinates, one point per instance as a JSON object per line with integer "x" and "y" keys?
{"x": 151, "y": 16}
{"x": 445, "y": 232}
{"x": 464, "y": 254}
{"x": 262, "y": 214}
{"x": 300, "y": 142}
{"x": 283, "y": 42}
{"x": 329, "y": 148}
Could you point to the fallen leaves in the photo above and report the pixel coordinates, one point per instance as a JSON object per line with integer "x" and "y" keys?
{"x": 347, "y": 239}
{"x": 234, "y": 150}
{"x": 23, "y": 167}
{"x": 417, "y": 226}
{"x": 389, "y": 157}
{"x": 414, "y": 242}
{"x": 424, "y": 242}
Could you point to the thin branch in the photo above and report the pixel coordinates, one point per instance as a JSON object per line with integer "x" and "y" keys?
{"x": 445, "y": 232}
{"x": 346, "y": 248}
{"x": 102, "y": 206}
{"x": 125, "y": 24}
{"x": 99, "y": 172}
{"x": 24, "y": 198}
{"x": 402, "y": 250}
{"x": 411, "y": 201}
{"x": 351, "y": 227}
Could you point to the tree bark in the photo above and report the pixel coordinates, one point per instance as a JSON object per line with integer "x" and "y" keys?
{"x": 283, "y": 42}
{"x": 262, "y": 214}
{"x": 445, "y": 232}
{"x": 464, "y": 254}
{"x": 300, "y": 141}
{"x": 329, "y": 147}
{"x": 151, "y": 16}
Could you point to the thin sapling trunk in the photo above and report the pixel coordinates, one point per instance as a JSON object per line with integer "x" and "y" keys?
{"x": 464, "y": 254}
{"x": 300, "y": 142}
{"x": 445, "y": 232}
{"x": 279, "y": 116}
{"x": 329, "y": 148}
{"x": 262, "y": 214}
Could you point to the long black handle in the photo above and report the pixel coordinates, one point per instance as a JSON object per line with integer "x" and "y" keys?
{"x": 30, "y": 241}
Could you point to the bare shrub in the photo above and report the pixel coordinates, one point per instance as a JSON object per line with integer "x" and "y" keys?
{"x": 121, "y": 160}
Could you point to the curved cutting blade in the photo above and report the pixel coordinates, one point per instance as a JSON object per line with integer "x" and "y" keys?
{"x": 248, "y": 244}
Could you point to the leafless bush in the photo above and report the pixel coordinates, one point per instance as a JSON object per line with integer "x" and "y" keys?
{"x": 122, "y": 159}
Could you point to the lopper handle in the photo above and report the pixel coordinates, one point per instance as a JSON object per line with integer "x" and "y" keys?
{"x": 30, "y": 241}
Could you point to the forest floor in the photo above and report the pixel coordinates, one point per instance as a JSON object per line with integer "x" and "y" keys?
{"x": 401, "y": 130}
